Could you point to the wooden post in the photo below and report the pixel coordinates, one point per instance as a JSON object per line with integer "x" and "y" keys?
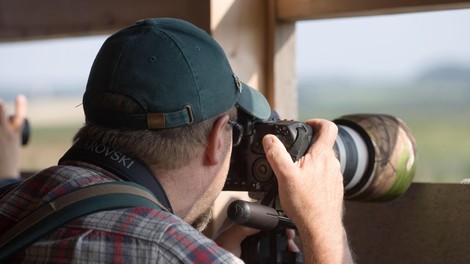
{"x": 260, "y": 49}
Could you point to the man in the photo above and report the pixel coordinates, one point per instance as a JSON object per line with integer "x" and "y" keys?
{"x": 161, "y": 105}
{"x": 11, "y": 128}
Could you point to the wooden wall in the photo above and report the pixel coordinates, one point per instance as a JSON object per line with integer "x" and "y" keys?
{"x": 430, "y": 223}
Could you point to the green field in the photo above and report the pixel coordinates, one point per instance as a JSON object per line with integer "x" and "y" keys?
{"x": 438, "y": 116}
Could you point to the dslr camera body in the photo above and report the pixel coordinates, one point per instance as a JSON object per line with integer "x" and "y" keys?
{"x": 249, "y": 169}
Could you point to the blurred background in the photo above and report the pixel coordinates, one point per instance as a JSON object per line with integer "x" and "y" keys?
{"x": 414, "y": 66}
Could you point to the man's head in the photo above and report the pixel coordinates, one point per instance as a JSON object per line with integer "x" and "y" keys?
{"x": 174, "y": 70}
{"x": 162, "y": 90}
{"x": 160, "y": 74}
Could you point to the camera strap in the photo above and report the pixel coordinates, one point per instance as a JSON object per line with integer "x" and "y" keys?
{"x": 122, "y": 165}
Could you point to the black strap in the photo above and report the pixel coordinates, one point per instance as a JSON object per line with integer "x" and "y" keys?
{"x": 122, "y": 165}
{"x": 84, "y": 201}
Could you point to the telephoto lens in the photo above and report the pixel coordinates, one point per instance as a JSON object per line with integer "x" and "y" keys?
{"x": 377, "y": 154}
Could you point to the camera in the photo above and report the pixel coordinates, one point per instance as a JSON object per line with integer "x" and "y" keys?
{"x": 377, "y": 154}
{"x": 249, "y": 169}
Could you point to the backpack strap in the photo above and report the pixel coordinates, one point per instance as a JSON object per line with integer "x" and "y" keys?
{"x": 84, "y": 201}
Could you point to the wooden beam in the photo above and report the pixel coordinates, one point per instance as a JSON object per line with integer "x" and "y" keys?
{"x": 280, "y": 67}
{"x": 239, "y": 27}
{"x": 295, "y": 10}
{"x": 428, "y": 224}
{"x": 30, "y": 19}
{"x": 260, "y": 50}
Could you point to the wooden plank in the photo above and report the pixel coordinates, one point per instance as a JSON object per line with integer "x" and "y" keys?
{"x": 295, "y": 10}
{"x": 30, "y": 19}
{"x": 280, "y": 68}
{"x": 239, "y": 27}
{"x": 428, "y": 224}
{"x": 260, "y": 50}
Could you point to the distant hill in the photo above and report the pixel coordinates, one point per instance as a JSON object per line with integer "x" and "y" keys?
{"x": 446, "y": 73}
{"x": 441, "y": 87}
{"x": 8, "y": 91}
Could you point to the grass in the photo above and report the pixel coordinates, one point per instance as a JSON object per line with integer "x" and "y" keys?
{"x": 47, "y": 144}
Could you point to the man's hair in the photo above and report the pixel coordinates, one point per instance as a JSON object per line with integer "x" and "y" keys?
{"x": 165, "y": 148}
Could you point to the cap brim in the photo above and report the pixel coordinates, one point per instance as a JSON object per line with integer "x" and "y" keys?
{"x": 253, "y": 102}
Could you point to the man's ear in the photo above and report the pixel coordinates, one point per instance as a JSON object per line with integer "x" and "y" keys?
{"x": 215, "y": 149}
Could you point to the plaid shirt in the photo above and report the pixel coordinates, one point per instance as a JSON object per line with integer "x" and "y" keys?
{"x": 132, "y": 235}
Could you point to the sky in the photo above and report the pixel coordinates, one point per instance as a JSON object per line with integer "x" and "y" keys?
{"x": 381, "y": 46}
{"x": 40, "y": 63}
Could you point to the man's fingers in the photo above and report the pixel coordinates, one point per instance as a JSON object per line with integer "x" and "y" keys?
{"x": 20, "y": 111}
{"x": 325, "y": 132}
{"x": 279, "y": 159}
{"x": 3, "y": 114}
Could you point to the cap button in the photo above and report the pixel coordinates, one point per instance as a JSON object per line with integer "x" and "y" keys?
{"x": 238, "y": 84}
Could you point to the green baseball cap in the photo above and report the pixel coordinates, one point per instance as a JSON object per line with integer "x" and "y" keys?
{"x": 177, "y": 72}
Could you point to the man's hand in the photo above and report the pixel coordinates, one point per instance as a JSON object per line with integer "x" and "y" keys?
{"x": 10, "y": 138}
{"x": 232, "y": 237}
{"x": 311, "y": 194}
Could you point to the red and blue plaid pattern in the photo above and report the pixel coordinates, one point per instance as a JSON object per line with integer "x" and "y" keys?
{"x": 132, "y": 235}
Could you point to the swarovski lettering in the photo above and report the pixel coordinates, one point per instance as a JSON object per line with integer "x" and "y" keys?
{"x": 110, "y": 153}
